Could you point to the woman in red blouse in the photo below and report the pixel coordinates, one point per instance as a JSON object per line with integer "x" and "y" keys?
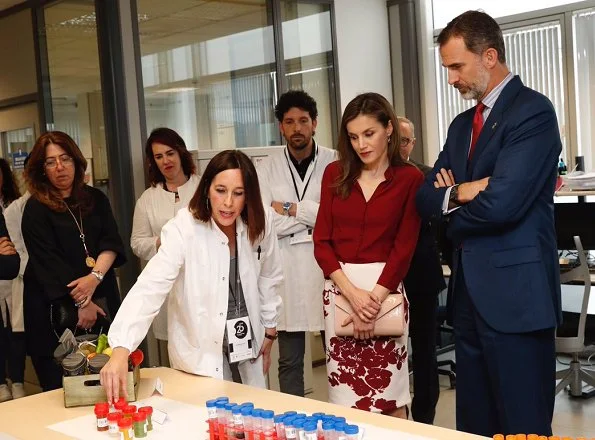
{"x": 367, "y": 215}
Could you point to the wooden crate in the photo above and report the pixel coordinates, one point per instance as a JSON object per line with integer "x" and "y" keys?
{"x": 87, "y": 390}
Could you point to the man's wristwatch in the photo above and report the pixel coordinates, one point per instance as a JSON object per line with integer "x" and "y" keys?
{"x": 454, "y": 195}
{"x": 286, "y": 207}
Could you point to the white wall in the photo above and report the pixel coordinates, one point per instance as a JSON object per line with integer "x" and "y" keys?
{"x": 429, "y": 109}
{"x": 363, "y": 48}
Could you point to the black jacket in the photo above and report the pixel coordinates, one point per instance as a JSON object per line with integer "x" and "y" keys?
{"x": 425, "y": 273}
{"x": 9, "y": 264}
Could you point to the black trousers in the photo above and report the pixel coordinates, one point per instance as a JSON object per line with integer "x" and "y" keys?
{"x": 48, "y": 372}
{"x": 13, "y": 352}
{"x": 422, "y": 331}
{"x": 505, "y": 381}
{"x": 292, "y": 346}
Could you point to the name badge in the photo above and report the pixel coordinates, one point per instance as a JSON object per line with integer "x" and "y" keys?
{"x": 301, "y": 237}
{"x": 239, "y": 337}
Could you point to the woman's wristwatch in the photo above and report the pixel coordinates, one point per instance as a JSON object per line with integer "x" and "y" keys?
{"x": 271, "y": 337}
{"x": 98, "y": 274}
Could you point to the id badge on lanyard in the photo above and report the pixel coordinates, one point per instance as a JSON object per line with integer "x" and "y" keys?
{"x": 301, "y": 237}
{"x": 239, "y": 338}
{"x": 239, "y": 333}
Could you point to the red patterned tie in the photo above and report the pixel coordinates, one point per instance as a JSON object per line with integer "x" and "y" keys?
{"x": 477, "y": 126}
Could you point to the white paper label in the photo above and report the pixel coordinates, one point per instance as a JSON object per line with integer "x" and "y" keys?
{"x": 312, "y": 436}
{"x": 113, "y": 428}
{"x": 158, "y": 386}
{"x": 212, "y": 412}
{"x": 158, "y": 416}
{"x": 102, "y": 423}
{"x": 237, "y": 419}
{"x": 239, "y": 336}
{"x": 290, "y": 432}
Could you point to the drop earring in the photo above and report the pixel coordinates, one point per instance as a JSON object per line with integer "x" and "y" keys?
{"x": 389, "y": 138}
{"x": 208, "y": 207}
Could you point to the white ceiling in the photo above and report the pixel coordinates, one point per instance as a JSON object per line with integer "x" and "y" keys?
{"x": 163, "y": 25}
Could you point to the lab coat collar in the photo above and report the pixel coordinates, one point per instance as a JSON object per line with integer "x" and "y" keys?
{"x": 239, "y": 228}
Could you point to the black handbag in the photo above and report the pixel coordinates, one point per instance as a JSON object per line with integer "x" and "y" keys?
{"x": 64, "y": 314}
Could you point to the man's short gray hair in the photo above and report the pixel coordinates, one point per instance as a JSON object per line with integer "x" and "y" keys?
{"x": 402, "y": 119}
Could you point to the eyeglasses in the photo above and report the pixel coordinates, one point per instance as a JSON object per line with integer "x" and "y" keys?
{"x": 406, "y": 141}
{"x": 64, "y": 159}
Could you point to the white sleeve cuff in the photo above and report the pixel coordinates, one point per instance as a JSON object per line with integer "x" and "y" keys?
{"x": 445, "y": 210}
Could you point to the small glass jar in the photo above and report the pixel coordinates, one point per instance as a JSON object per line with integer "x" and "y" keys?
{"x": 129, "y": 411}
{"x": 101, "y": 411}
{"x": 120, "y": 405}
{"x": 140, "y": 424}
{"x": 74, "y": 364}
{"x": 125, "y": 427}
{"x": 112, "y": 423}
{"x": 97, "y": 362}
{"x": 148, "y": 410}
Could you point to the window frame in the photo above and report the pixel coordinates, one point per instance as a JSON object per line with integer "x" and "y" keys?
{"x": 563, "y": 14}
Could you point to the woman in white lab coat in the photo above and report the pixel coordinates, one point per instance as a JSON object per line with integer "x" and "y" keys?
{"x": 173, "y": 183}
{"x": 12, "y": 338}
{"x": 223, "y": 253}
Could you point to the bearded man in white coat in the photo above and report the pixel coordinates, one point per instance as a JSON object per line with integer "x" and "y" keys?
{"x": 290, "y": 184}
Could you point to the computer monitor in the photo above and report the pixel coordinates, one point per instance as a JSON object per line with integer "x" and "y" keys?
{"x": 575, "y": 219}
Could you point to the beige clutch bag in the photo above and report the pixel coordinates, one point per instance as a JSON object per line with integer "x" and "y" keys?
{"x": 391, "y": 317}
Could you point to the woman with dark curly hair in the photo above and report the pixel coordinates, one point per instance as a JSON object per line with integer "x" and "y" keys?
{"x": 74, "y": 246}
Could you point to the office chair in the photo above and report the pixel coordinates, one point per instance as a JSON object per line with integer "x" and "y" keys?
{"x": 575, "y": 376}
{"x": 451, "y": 370}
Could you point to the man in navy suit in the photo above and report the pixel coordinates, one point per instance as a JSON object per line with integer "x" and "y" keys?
{"x": 494, "y": 183}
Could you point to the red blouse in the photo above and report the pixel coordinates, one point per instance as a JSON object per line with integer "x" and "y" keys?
{"x": 384, "y": 229}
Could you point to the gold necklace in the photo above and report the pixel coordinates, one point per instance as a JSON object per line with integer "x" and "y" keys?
{"x": 89, "y": 260}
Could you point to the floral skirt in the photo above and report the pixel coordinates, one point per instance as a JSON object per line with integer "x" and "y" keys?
{"x": 370, "y": 375}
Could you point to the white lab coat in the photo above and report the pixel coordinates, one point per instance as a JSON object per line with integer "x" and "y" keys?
{"x": 5, "y": 290}
{"x": 154, "y": 208}
{"x": 196, "y": 255}
{"x": 13, "y": 216}
{"x": 304, "y": 280}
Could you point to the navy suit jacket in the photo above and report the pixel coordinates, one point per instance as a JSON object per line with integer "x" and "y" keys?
{"x": 506, "y": 235}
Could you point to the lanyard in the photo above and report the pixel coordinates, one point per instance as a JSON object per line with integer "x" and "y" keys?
{"x": 237, "y": 297}
{"x": 293, "y": 177}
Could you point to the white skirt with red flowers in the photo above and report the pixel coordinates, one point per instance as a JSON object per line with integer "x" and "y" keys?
{"x": 370, "y": 375}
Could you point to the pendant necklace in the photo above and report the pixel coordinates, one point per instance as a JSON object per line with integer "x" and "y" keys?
{"x": 89, "y": 260}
